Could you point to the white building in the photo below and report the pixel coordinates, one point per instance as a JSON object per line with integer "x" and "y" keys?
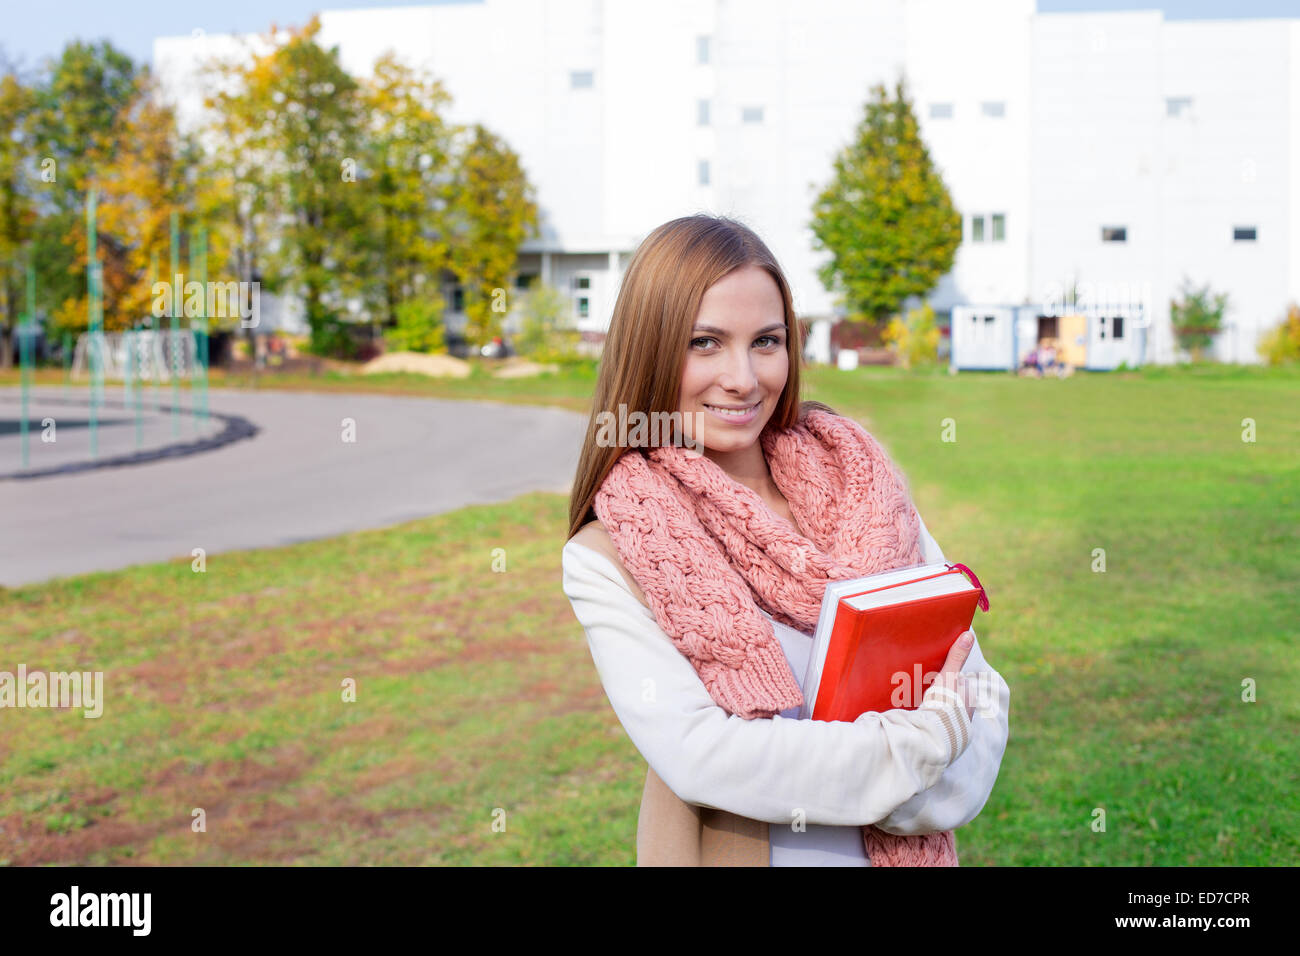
{"x": 1111, "y": 153}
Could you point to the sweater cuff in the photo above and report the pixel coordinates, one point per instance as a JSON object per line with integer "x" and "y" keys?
{"x": 951, "y": 710}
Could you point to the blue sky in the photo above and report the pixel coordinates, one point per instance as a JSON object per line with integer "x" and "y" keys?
{"x": 33, "y": 31}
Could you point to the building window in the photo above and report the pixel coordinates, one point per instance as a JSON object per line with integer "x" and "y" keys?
{"x": 703, "y": 114}
{"x": 525, "y": 280}
{"x": 1178, "y": 106}
{"x": 751, "y": 114}
{"x": 995, "y": 108}
{"x": 582, "y": 282}
{"x": 704, "y": 172}
{"x": 702, "y": 49}
{"x": 1114, "y": 234}
{"x": 940, "y": 111}
{"x": 1117, "y": 327}
{"x": 1243, "y": 233}
{"x": 581, "y": 79}
{"x": 583, "y": 307}
{"x": 977, "y": 228}
{"x": 999, "y": 227}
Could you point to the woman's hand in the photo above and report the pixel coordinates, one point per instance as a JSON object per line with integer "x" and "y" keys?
{"x": 950, "y": 673}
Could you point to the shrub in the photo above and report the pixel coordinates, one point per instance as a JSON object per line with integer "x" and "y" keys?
{"x": 418, "y": 328}
{"x": 1281, "y": 345}
{"x": 547, "y": 333}
{"x": 331, "y": 337}
{"x": 1197, "y": 317}
{"x": 915, "y": 339}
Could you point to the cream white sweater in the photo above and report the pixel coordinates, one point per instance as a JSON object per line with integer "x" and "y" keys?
{"x": 814, "y": 782}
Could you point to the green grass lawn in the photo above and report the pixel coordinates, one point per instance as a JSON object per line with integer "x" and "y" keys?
{"x": 477, "y": 702}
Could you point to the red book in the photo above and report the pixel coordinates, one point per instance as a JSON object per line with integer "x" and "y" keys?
{"x": 881, "y": 639}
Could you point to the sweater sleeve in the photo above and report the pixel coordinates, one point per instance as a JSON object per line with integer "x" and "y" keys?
{"x": 835, "y": 772}
{"x": 966, "y": 784}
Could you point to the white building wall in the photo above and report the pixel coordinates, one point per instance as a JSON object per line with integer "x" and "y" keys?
{"x": 1226, "y": 165}
{"x": 1097, "y": 156}
{"x": 1293, "y": 167}
{"x": 980, "y": 55}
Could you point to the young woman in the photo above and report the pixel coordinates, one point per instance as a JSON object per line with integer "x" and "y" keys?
{"x": 697, "y": 562}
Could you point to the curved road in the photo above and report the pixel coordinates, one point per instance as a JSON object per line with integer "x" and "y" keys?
{"x": 296, "y": 479}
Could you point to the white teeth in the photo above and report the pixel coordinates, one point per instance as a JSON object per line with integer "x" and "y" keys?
{"x": 735, "y": 414}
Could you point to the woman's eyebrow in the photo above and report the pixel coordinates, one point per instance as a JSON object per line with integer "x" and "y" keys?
{"x": 725, "y": 334}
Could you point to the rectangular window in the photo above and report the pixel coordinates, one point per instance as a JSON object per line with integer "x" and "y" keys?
{"x": 704, "y": 172}
{"x": 581, "y": 79}
{"x": 703, "y": 114}
{"x": 1243, "y": 233}
{"x": 583, "y": 307}
{"x": 999, "y": 226}
{"x": 582, "y": 282}
{"x": 1117, "y": 327}
{"x": 525, "y": 279}
{"x": 1178, "y": 105}
{"x": 994, "y": 108}
{"x": 1114, "y": 234}
{"x": 940, "y": 111}
{"x": 702, "y": 49}
{"x": 977, "y": 228}
{"x": 751, "y": 114}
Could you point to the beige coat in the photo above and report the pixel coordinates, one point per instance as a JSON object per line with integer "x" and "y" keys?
{"x": 671, "y": 832}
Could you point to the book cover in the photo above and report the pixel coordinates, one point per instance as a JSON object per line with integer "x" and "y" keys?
{"x": 881, "y": 639}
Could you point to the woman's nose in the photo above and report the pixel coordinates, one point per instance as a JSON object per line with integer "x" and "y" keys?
{"x": 739, "y": 375}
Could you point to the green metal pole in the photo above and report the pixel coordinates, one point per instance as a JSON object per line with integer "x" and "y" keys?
{"x": 25, "y": 343}
{"x": 139, "y": 388}
{"x": 199, "y": 377}
{"x": 92, "y": 329}
{"x": 178, "y": 295}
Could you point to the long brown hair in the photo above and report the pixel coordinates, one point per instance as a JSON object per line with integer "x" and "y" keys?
{"x": 650, "y": 331}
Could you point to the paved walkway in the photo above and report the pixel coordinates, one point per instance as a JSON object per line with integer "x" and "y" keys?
{"x": 294, "y": 479}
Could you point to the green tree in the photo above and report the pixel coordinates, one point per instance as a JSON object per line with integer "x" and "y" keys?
{"x": 140, "y": 182}
{"x": 407, "y": 187}
{"x": 17, "y": 202}
{"x": 298, "y": 116}
{"x": 492, "y": 213}
{"x": 885, "y": 217}
{"x": 1197, "y": 317}
{"x": 79, "y": 104}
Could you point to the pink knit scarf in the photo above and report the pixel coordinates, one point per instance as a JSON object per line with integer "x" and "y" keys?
{"x": 709, "y": 553}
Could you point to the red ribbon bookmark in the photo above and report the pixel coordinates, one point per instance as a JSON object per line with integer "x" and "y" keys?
{"x": 984, "y": 598}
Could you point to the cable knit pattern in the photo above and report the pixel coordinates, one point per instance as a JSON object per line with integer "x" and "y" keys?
{"x": 709, "y": 554}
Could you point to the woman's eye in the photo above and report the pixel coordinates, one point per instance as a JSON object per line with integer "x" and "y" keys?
{"x": 770, "y": 338}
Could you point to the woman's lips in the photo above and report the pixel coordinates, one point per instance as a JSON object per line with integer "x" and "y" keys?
{"x": 733, "y": 417}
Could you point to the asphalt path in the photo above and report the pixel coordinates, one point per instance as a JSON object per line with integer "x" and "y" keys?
{"x": 290, "y": 477}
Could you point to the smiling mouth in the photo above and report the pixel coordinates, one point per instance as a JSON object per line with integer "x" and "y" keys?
{"x": 733, "y": 412}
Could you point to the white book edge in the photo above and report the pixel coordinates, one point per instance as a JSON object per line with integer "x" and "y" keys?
{"x": 835, "y": 590}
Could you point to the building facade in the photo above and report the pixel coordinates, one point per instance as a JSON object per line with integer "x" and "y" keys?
{"x": 1098, "y": 159}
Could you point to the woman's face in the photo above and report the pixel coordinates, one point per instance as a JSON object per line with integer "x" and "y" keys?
{"x": 736, "y": 359}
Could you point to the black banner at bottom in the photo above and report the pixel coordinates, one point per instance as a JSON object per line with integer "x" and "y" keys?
{"x": 226, "y": 905}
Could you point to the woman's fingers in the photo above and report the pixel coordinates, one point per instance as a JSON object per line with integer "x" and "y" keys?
{"x": 959, "y": 651}
{"x": 950, "y": 673}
